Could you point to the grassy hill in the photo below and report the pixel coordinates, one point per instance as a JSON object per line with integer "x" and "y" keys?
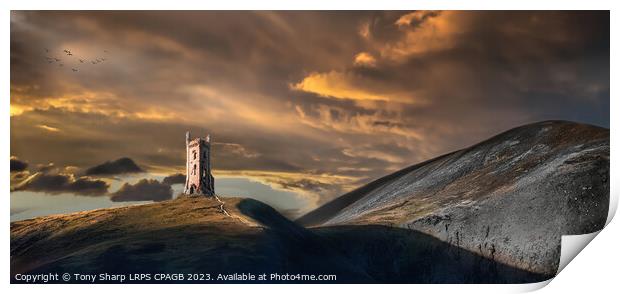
{"x": 184, "y": 235}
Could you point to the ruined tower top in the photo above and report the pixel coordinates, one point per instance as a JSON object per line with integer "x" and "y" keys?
{"x": 198, "y": 180}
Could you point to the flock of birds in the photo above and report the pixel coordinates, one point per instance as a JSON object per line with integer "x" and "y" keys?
{"x": 67, "y": 52}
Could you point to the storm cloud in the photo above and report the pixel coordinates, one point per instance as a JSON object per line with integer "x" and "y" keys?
{"x": 63, "y": 183}
{"x": 312, "y": 102}
{"x": 143, "y": 190}
{"x": 120, "y": 166}
{"x": 18, "y": 165}
{"x": 174, "y": 179}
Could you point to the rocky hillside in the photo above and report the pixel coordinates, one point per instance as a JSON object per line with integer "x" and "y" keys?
{"x": 509, "y": 198}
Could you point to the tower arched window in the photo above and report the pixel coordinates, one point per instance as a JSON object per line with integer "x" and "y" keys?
{"x": 194, "y": 171}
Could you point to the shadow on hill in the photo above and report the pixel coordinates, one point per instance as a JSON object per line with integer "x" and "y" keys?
{"x": 302, "y": 250}
{"x": 269, "y": 217}
{"x": 395, "y": 255}
{"x": 391, "y": 255}
{"x": 355, "y": 254}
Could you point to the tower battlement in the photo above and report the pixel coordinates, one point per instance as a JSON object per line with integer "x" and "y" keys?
{"x": 198, "y": 180}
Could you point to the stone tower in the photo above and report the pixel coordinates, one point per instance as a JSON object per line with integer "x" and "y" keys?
{"x": 198, "y": 180}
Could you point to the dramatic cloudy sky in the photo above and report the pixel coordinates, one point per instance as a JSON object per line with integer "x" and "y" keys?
{"x": 302, "y": 106}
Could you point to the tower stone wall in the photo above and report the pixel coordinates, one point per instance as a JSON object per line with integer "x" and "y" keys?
{"x": 198, "y": 180}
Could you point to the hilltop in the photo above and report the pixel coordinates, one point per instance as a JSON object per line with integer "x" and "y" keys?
{"x": 184, "y": 235}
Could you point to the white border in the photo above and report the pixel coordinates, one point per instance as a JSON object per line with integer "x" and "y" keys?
{"x": 594, "y": 268}
{"x": 310, "y": 5}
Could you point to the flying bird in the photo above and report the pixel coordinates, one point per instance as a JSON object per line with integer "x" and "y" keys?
{"x": 60, "y": 64}
{"x": 73, "y": 69}
{"x": 47, "y": 50}
{"x": 69, "y": 53}
{"x": 57, "y": 59}
{"x": 93, "y": 62}
{"x": 81, "y": 60}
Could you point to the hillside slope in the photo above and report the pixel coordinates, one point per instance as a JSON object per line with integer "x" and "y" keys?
{"x": 184, "y": 235}
{"x": 509, "y": 198}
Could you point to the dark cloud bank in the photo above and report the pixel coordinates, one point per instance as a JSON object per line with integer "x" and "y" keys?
{"x": 174, "y": 179}
{"x": 63, "y": 183}
{"x": 143, "y": 190}
{"x": 51, "y": 180}
{"x": 120, "y": 166}
{"x": 18, "y": 165}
